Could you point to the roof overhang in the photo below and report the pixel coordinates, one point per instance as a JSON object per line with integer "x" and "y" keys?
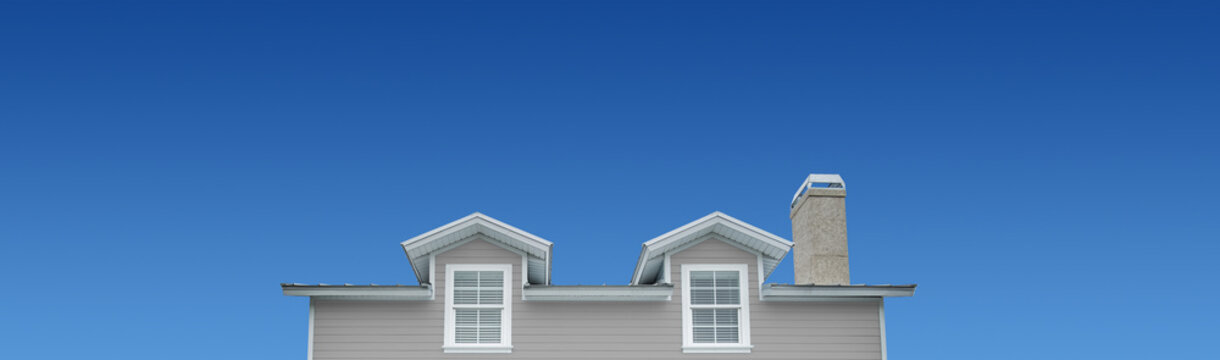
{"x": 598, "y": 293}
{"x": 771, "y": 248}
{"x": 420, "y": 249}
{"x": 784, "y": 292}
{"x": 360, "y": 292}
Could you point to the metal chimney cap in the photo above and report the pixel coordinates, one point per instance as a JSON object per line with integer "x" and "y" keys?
{"x": 833, "y": 181}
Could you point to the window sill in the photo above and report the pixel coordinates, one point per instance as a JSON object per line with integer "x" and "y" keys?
{"x": 494, "y": 349}
{"x": 717, "y": 349}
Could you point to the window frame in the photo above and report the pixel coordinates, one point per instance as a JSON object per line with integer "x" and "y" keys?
{"x": 506, "y": 319}
{"x": 743, "y": 312}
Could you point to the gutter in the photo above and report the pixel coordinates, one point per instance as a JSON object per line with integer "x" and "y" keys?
{"x": 359, "y": 292}
{"x": 594, "y": 293}
{"x": 785, "y": 292}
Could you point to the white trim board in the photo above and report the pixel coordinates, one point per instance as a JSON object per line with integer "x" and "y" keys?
{"x": 309, "y": 348}
{"x": 361, "y": 292}
{"x": 881, "y": 320}
{"x": 776, "y": 292}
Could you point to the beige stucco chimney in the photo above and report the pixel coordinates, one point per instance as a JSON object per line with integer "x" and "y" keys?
{"x": 819, "y": 230}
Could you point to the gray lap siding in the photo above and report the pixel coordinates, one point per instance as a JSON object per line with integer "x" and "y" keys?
{"x": 594, "y": 330}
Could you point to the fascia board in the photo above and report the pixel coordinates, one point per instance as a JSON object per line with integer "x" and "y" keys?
{"x": 680, "y": 229}
{"x": 745, "y": 227}
{"x": 478, "y": 219}
{"x": 389, "y": 292}
{"x": 539, "y": 242}
{"x": 413, "y": 242}
{"x": 829, "y": 293}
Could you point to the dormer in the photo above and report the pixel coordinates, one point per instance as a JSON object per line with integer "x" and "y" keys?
{"x": 769, "y": 248}
{"x": 421, "y": 250}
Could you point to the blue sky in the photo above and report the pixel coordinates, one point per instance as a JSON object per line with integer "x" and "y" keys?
{"x": 1046, "y": 171}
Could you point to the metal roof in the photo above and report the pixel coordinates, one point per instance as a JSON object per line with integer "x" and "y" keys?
{"x": 644, "y": 285}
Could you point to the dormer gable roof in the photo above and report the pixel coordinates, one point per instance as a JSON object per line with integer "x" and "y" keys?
{"x": 771, "y": 248}
{"x": 537, "y": 251}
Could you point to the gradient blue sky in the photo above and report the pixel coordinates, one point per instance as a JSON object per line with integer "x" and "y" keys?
{"x": 1046, "y": 171}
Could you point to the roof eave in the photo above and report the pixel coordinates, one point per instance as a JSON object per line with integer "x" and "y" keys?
{"x": 777, "y": 292}
{"x": 533, "y": 240}
{"x": 359, "y": 292}
{"x": 639, "y": 265}
{"x": 775, "y": 240}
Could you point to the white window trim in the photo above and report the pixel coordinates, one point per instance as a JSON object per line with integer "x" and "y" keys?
{"x": 309, "y": 349}
{"x": 743, "y": 321}
{"x": 881, "y": 320}
{"x": 506, "y": 318}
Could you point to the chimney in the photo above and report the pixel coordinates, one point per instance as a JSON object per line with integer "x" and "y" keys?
{"x": 819, "y": 231}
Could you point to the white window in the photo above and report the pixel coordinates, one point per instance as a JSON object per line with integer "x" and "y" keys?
{"x": 478, "y": 308}
{"x": 715, "y": 309}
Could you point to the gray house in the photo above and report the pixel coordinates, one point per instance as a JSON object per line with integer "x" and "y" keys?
{"x": 698, "y": 292}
